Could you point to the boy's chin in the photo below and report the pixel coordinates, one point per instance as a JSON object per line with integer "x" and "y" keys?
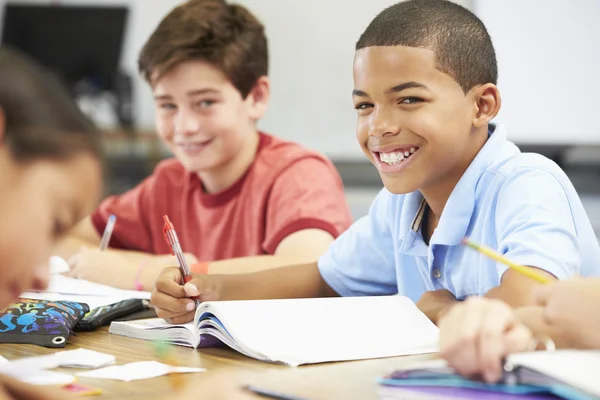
{"x": 398, "y": 186}
{"x": 197, "y": 166}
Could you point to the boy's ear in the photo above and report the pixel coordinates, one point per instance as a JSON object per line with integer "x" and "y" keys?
{"x": 258, "y": 98}
{"x": 487, "y": 102}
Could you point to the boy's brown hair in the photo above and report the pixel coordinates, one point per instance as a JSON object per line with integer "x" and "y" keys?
{"x": 225, "y": 35}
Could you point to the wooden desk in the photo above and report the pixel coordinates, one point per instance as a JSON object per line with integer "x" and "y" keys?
{"x": 347, "y": 380}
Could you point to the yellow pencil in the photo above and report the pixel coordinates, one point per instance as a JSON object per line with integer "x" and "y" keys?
{"x": 495, "y": 256}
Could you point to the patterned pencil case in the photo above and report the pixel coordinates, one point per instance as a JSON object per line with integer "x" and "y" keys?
{"x": 40, "y": 322}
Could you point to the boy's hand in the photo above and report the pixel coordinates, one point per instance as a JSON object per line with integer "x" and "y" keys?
{"x": 172, "y": 300}
{"x": 436, "y": 303}
{"x": 477, "y": 334}
{"x": 12, "y": 389}
{"x": 106, "y": 267}
{"x": 571, "y": 310}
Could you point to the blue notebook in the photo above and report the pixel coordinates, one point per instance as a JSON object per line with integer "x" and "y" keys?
{"x": 565, "y": 374}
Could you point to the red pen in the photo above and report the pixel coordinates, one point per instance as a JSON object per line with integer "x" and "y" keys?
{"x": 173, "y": 242}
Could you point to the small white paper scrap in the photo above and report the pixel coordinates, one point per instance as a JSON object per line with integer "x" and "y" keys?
{"x": 80, "y": 358}
{"x": 40, "y": 376}
{"x": 45, "y": 377}
{"x": 83, "y": 358}
{"x": 137, "y": 370}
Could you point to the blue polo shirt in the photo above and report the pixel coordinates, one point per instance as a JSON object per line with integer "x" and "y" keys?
{"x": 520, "y": 204}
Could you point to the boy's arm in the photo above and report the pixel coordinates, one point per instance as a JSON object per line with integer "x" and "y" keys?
{"x": 85, "y": 235}
{"x": 297, "y": 281}
{"x": 119, "y": 268}
{"x": 535, "y": 226}
{"x": 515, "y": 289}
{"x": 302, "y": 247}
{"x": 172, "y": 300}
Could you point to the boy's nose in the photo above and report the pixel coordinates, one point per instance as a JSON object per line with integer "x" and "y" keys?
{"x": 186, "y": 124}
{"x": 382, "y": 124}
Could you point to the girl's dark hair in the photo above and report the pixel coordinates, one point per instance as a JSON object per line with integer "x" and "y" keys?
{"x": 41, "y": 120}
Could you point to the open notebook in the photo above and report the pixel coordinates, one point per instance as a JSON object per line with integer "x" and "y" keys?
{"x": 300, "y": 331}
{"x": 567, "y": 374}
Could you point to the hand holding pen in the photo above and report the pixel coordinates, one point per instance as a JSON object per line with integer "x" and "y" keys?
{"x": 173, "y": 241}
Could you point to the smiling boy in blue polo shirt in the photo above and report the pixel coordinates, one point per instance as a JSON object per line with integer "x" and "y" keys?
{"x": 425, "y": 92}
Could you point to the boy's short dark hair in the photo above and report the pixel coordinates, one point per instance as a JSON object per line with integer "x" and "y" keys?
{"x": 225, "y": 35}
{"x": 462, "y": 46}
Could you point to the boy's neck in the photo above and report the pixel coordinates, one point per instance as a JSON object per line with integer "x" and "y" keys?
{"x": 436, "y": 195}
{"x": 223, "y": 177}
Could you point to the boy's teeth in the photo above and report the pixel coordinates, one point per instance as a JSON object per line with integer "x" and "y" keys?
{"x": 395, "y": 157}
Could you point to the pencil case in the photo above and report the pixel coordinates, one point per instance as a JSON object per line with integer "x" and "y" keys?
{"x": 102, "y": 316}
{"x": 40, "y": 322}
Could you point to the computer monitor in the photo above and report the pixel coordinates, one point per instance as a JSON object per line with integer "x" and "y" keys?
{"x": 78, "y": 43}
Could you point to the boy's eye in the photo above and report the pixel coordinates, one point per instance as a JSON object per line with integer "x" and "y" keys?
{"x": 167, "y": 106}
{"x": 411, "y": 100}
{"x": 205, "y": 103}
{"x": 363, "y": 106}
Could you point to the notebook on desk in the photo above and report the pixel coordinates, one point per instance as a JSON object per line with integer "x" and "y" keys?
{"x": 566, "y": 374}
{"x": 300, "y": 331}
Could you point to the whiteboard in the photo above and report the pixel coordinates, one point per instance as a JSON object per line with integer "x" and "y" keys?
{"x": 311, "y": 45}
{"x": 549, "y": 68}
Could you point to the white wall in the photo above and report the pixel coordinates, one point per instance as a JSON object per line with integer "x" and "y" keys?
{"x": 549, "y": 60}
{"x": 311, "y": 44}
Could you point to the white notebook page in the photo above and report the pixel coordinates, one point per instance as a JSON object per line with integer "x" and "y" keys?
{"x": 577, "y": 368}
{"x": 299, "y": 331}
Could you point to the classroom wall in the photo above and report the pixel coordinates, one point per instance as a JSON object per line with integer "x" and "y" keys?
{"x": 548, "y": 58}
{"x": 311, "y": 44}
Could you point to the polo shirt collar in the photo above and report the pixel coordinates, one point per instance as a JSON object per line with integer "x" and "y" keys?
{"x": 456, "y": 217}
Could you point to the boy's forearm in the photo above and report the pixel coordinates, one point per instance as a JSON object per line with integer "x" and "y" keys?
{"x": 251, "y": 264}
{"x": 298, "y": 281}
{"x": 71, "y": 245}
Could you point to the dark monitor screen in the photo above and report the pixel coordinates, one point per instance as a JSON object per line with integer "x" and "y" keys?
{"x": 77, "y": 43}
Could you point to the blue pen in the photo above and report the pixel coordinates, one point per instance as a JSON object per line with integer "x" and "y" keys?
{"x": 110, "y": 224}
{"x": 271, "y": 394}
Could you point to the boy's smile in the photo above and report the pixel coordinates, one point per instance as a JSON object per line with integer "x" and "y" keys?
{"x": 394, "y": 158}
{"x": 192, "y": 148}
{"x": 415, "y": 123}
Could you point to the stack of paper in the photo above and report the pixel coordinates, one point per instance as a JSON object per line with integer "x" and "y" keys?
{"x": 93, "y": 294}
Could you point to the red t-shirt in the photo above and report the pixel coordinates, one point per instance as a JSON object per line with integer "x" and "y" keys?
{"x": 288, "y": 188}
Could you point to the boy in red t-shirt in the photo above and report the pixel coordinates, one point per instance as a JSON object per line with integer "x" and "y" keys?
{"x": 240, "y": 200}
